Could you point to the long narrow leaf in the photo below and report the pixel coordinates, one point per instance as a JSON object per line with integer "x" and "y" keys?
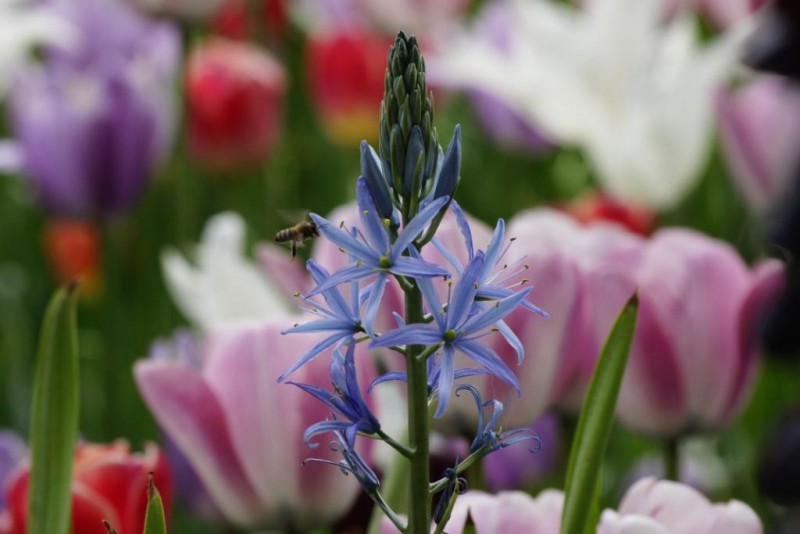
{"x": 155, "y": 521}
{"x": 54, "y": 418}
{"x": 594, "y": 425}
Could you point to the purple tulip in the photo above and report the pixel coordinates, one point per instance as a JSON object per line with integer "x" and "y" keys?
{"x": 663, "y": 507}
{"x": 760, "y": 128}
{"x": 93, "y": 122}
{"x": 694, "y": 350}
{"x": 582, "y": 276}
{"x": 242, "y": 432}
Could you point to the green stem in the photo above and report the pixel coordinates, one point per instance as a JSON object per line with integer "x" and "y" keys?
{"x": 396, "y": 445}
{"x": 419, "y": 509}
{"x": 671, "y": 459}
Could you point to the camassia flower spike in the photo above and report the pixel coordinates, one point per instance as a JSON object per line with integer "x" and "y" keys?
{"x": 458, "y": 329}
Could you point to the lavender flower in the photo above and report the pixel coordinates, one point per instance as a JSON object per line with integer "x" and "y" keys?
{"x": 458, "y": 329}
{"x": 345, "y": 398}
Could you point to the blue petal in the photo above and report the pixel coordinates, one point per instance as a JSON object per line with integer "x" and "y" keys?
{"x": 446, "y": 377}
{"x": 415, "y": 267}
{"x": 464, "y": 293}
{"x": 343, "y": 239}
{"x": 331, "y": 399}
{"x": 374, "y": 302}
{"x": 463, "y": 226}
{"x": 312, "y": 353}
{"x": 490, "y": 360}
{"x": 495, "y": 249}
{"x": 495, "y": 312}
{"x": 322, "y": 325}
{"x": 512, "y": 340}
{"x": 333, "y": 298}
{"x": 411, "y": 334}
{"x": 321, "y": 428}
{"x": 371, "y": 219}
{"x": 403, "y": 377}
{"x": 350, "y": 273}
{"x": 434, "y": 304}
{"x": 451, "y": 167}
{"x": 451, "y": 259}
{"x": 416, "y": 226}
{"x": 376, "y": 182}
{"x": 478, "y": 402}
{"x": 368, "y": 422}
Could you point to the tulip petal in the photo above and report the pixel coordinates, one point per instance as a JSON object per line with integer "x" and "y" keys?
{"x": 189, "y": 412}
{"x": 267, "y": 421}
{"x": 769, "y": 279}
{"x": 288, "y": 274}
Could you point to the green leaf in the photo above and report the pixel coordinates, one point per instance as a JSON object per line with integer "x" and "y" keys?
{"x": 154, "y": 520}
{"x": 594, "y": 425}
{"x": 54, "y": 417}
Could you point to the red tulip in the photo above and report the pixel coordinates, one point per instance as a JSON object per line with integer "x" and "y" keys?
{"x": 345, "y": 72}
{"x": 109, "y": 482}
{"x": 235, "y": 21}
{"x": 234, "y": 93}
{"x": 595, "y": 206}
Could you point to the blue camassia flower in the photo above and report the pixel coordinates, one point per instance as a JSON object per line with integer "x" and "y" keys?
{"x": 456, "y": 328}
{"x": 345, "y": 398}
{"x": 486, "y": 434}
{"x": 338, "y": 317}
{"x": 491, "y": 282}
{"x": 351, "y": 463}
{"x": 374, "y": 253}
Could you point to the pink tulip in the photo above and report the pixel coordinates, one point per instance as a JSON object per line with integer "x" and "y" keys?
{"x": 694, "y": 350}
{"x": 663, "y": 507}
{"x": 582, "y": 277}
{"x": 242, "y": 431}
{"x": 760, "y": 129}
{"x": 506, "y": 512}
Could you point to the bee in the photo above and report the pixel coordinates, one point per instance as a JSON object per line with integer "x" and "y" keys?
{"x": 298, "y": 234}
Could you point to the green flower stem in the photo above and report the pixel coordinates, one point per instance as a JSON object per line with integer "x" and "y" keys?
{"x": 419, "y": 514}
{"x": 671, "y": 459}
{"x": 396, "y": 445}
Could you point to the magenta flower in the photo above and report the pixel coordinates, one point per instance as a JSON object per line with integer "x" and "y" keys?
{"x": 760, "y": 129}
{"x": 694, "y": 350}
{"x": 663, "y": 507}
{"x": 242, "y": 432}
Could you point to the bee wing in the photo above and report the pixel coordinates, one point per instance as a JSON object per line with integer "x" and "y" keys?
{"x": 293, "y": 216}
